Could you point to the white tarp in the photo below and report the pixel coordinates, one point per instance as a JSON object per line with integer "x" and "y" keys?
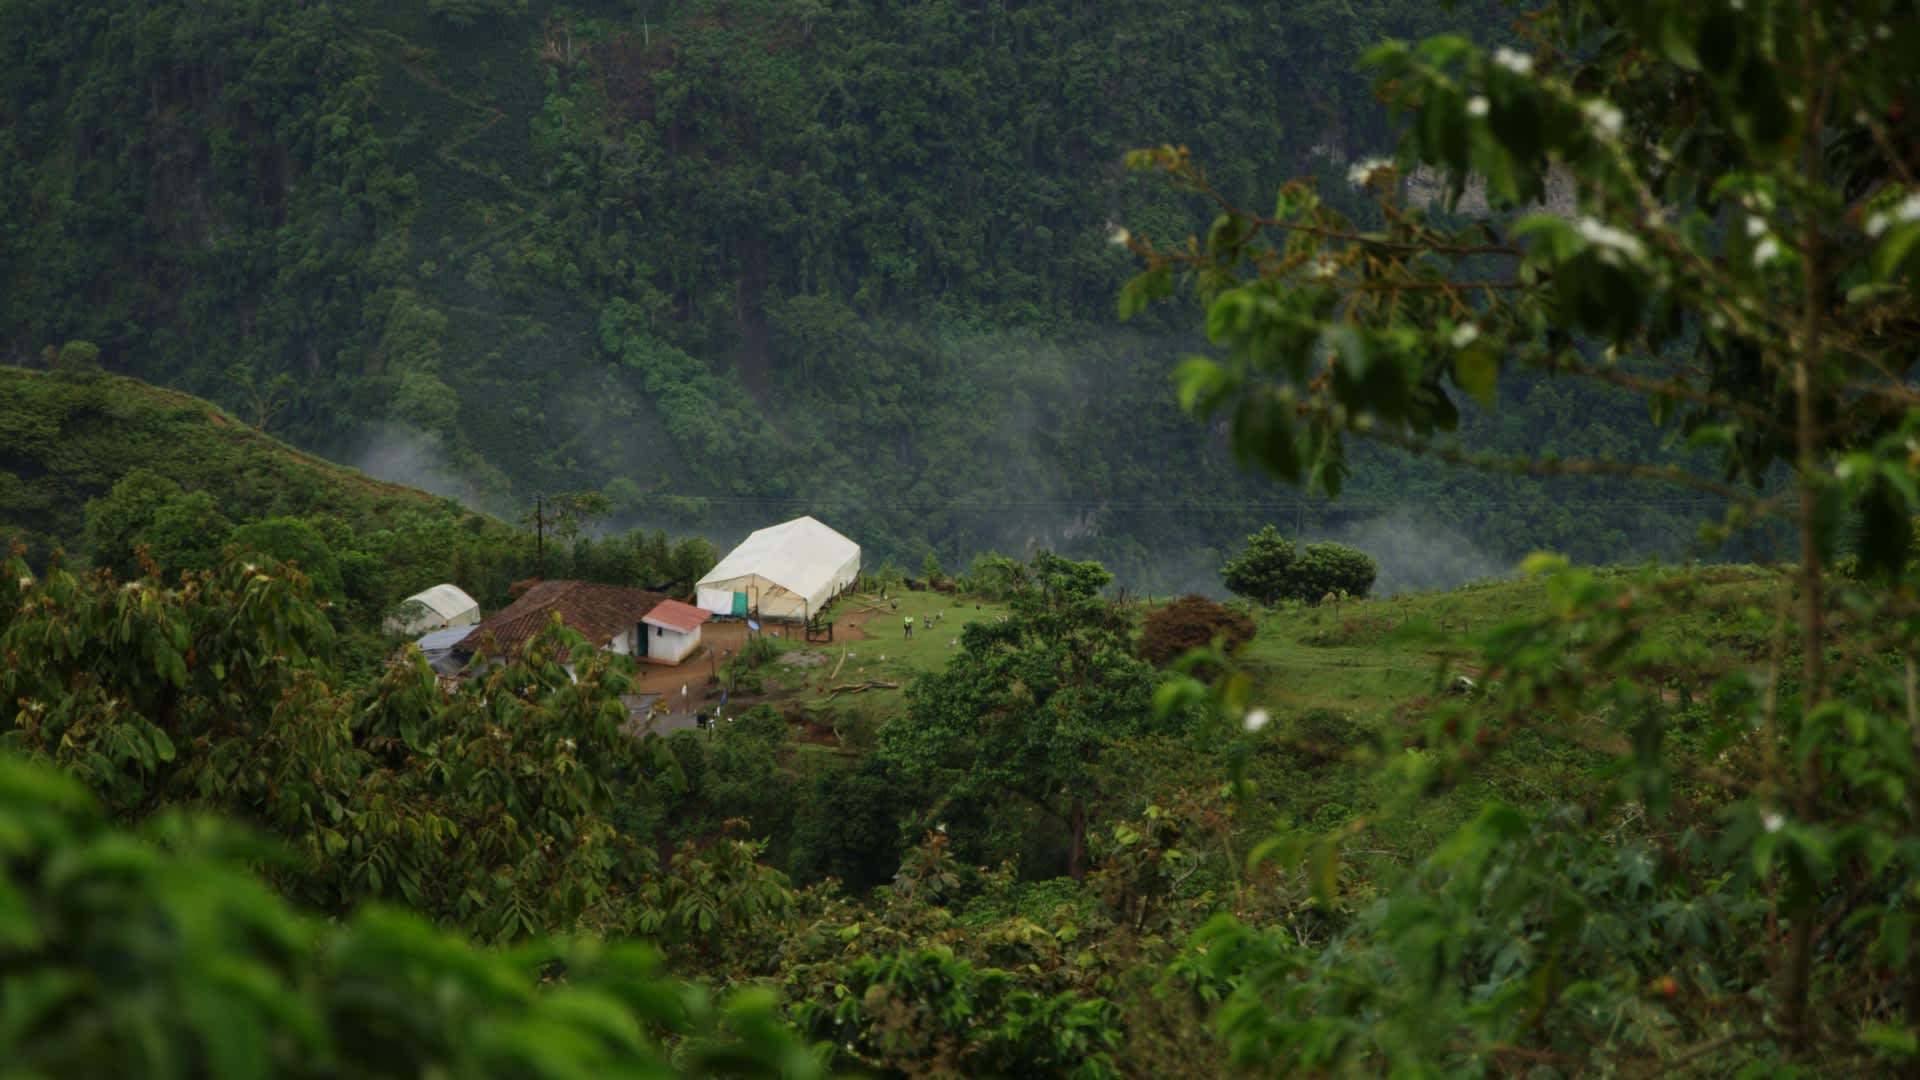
{"x": 442, "y": 605}
{"x": 787, "y": 571}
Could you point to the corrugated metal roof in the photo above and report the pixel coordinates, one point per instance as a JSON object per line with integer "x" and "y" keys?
{"x": 443, "y": 639}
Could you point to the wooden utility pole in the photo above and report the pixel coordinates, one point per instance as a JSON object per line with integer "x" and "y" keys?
{"x": 540, "y": 534}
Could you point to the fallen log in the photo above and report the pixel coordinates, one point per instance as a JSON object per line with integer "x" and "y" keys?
{"x": 838, "y": 666}
{"x": 854, "y": 688}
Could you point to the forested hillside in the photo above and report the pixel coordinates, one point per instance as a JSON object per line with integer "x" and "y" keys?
{"x": 1011, "y": 820}
{"x": 730, "y": 259}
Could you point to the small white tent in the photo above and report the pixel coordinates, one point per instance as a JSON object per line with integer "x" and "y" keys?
{"x": 438, "y": 607}
{"x": 785, "y": 571}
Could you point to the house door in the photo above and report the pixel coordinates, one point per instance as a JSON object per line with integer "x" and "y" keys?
{"x": 640, "y": 640}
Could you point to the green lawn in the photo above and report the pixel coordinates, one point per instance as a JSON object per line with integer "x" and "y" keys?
{"x": 1367, "y": 657}
{"x": 1368, "y": 666}
{"x": 885, "y": 653}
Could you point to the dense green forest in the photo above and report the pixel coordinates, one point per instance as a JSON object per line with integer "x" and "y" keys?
{"x": 1011, "y": 819}
{"x": 735, "y": 259}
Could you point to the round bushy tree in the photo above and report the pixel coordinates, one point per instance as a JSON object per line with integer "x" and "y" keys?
{"x": 1260, "y": 573}
{"x": 1335, "y": 569}
{"x": 296, "y": 542}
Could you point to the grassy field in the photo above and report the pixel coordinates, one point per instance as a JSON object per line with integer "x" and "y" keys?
{"x": 1376, "y": 666}
{"x": 1367, "y": 660}
{"x": 1371, "y": 656}
{"x": 878, "y": 649}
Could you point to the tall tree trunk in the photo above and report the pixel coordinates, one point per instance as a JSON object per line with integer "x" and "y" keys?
{"x": 1077, "y": 841}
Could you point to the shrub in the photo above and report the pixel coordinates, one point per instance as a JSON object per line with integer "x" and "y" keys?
{"x": 104, "y": 923}
{"x": 1261, "y": 571}
{"x": 740, "y": 678}
{"x": 1191, "y": 622}
{"x": 292, "y": 540}
{"x": 1320, "y": 736}
{"x": 1269, "y": 570}
{"x": 1364, "y": 630}
{"x": 1330, "y": 568}
{"x": 758, "y": 650}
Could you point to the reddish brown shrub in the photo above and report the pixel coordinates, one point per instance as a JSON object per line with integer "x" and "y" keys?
{"x": 1191, "y": 622}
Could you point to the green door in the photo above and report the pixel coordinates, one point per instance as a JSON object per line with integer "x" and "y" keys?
{"x": 740, "y": 604}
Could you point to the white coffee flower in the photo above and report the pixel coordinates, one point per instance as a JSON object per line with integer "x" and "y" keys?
{"x": 1605, "y": 116}
{"x": 1257, "y": 719}
{"x": 1606, "y": 237}
{"x": 1360, "y": 174}
{"x": 1325, "y": 269}
{"x": 1464, "y": 335}
{"x": 1756, "y": 226}
{"x": 1517, "y": 62}
{"x": 1772, "y": 821}
{"x": 1477, "y": 105}
{"x": 1766, "y": 251}
{"x": 1119, "y": 236}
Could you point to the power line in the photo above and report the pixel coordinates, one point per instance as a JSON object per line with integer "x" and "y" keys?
{"x": 1341, "y": 506}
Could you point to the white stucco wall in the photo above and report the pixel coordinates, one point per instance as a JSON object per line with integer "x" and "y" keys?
{"x": 622, "y": 643}
{"x": 668, "y": 646}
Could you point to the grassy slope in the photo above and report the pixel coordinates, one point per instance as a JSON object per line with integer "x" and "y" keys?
{"x": 66, "y": 438}
{"x": 1377, "y": 666}
{"x": 1369, "y": 666}
{"x": 1369, "y": 658}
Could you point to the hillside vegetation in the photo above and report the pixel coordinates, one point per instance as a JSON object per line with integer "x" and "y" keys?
{"x": 732, "y": 260}
{"x": 66, "y": 438}
{"x": 94, "y": 465}
{"x": 1659, "y": 817}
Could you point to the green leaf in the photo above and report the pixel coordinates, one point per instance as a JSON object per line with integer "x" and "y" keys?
{"x": 596, "y": 1013}
{"x": 1229, "y": 313}
{"x": 1324, "y": 870}
{"x": 1225, "y": 235}
{"x": 1891, "y": 256}
{"x": 1896, "y": 937}
{"x": 17, "y": 928}
{"x": 1897, "y": 1041}
{"x": 1348, "y": 347}
{"x": 1133, "y": 298}
{"x": 1477, "y": 371}
{"x": 1676, "y": 37}
{"x": 1200, "y": 383}
{"x": 1541, "y": 563}
{"x": 162, "y": 745}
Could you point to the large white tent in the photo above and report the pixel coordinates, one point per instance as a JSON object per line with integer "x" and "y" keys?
{"x": 785, "y": 571}
{"x": 432, "y": 609}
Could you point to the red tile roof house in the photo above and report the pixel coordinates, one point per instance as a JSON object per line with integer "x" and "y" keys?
{"x": 630, "y": 622}
{"x": 674, "y": 630}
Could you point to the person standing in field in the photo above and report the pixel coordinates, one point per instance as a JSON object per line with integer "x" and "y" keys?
{"x": 909, "y": 626}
